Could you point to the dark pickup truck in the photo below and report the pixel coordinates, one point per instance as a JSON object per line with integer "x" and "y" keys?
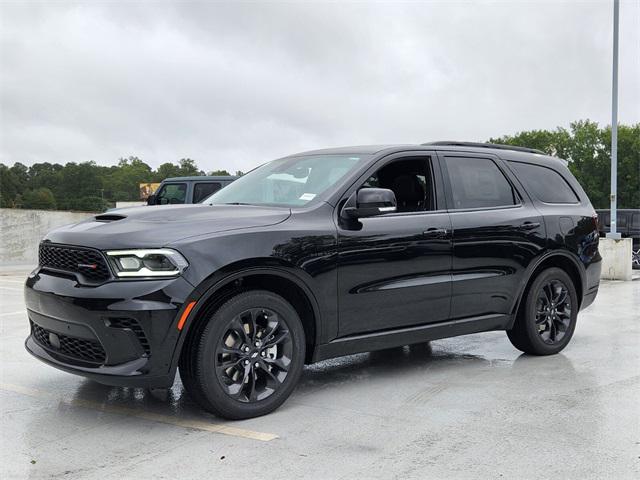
{"x": 179, "y": 190}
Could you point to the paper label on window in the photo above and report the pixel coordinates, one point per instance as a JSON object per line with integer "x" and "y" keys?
{"x": 307, "y": 196}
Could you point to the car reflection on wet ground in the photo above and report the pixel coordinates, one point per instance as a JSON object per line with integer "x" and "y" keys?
{"x": 466, "y": 407}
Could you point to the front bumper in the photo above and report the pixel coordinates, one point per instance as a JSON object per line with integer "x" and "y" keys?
{"x": 119, "y": 333}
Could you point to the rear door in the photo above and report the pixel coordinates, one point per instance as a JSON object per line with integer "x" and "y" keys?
{"x": 497, "y": 232}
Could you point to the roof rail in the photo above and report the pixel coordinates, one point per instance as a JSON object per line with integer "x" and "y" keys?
{"x": 485, "y": 145}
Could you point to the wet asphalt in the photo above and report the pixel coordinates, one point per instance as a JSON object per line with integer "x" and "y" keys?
{"x": 462, "y": 408}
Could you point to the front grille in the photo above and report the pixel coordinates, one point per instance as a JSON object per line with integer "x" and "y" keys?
{"x": 79, "y": 348}
{"x": 87, "y": 262}
{"x": 133, "y": 325}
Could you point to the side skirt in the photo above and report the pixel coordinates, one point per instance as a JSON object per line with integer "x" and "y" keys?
{"x": 406, "y": 336}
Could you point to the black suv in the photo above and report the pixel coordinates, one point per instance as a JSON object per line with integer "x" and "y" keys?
{"x": 313, "y": 256}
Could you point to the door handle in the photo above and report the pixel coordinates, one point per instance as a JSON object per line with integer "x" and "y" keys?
{"x": 435, "y": 232}
{"x": 529, "y": 226}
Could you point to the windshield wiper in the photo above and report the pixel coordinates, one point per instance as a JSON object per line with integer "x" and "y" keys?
{"x": 235, "y": 203}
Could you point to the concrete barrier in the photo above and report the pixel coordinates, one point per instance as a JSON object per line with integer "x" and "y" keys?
{"x": 22, "y": 230}
{"x": 616, "y": 258}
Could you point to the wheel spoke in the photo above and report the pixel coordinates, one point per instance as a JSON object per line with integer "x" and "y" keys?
{"x": 280, "y": 363}
{"x": 253, "y": 394}
{"x": 238, "y": 328}
{"x": 552, "y": 331}
{"x": 278, "y": 338}
{"x": 562, "y": 297}
{"x": 548, "y": 293}
{"x": 272, "y": 380}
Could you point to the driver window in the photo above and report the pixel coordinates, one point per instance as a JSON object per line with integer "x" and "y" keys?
{"x": 411, "y": 182}
{"x": 172, "y": 193}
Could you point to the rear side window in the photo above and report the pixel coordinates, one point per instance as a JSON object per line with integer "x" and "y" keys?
{"x": 203, "y": 190}
{"x": 478, "y": 183}
{"x": 546, "y": 184}
{"x": 635, "y": 220}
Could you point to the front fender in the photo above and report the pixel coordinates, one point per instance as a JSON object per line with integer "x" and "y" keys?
{"x": 215, "y": 283}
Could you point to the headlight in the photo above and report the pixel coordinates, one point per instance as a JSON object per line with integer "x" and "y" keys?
{"x": 158, "y": 262}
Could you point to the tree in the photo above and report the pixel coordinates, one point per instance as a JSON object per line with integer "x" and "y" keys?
{"x": 40, "y": 199}
{"x": 189, "y": 168}
{"x": 90, "y": 204}
{"x": 125, "y": 178}
{"x": 78, "y": 180}
{"x": 9, "y": 187}
{"x": 167, "y": 170}
{"x": 221, "y": 173}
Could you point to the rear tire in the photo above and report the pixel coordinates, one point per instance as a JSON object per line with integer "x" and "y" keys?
{"x": 246, "y": 359}
{"x": 547, "y": 317}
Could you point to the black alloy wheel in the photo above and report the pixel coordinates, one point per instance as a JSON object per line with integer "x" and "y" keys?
{"x": 246, "y": 358}
{"x": 547, "y": 315}
{"x": 253, "y": 355}
{"x": 553, "y": 311}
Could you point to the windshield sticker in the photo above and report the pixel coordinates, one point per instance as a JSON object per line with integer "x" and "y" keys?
{"x": 307, "y": 196}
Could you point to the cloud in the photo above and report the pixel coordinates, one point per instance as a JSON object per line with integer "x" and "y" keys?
{"x": 235, "y": 84}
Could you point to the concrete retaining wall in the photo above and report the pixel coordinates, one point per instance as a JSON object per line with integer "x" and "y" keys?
{"x": 22, "y": 230}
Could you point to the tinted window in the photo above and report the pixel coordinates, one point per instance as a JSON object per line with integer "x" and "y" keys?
{"x": 410, "y": 181}
{"x": 172, "y": 193}
{"x": 546, "y": 184}
{"x": 203, "y": 190}
{"x": 635, "y": 220}
{"x": 478, "y": 183}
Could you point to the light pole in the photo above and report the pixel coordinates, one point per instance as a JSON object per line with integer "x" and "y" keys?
{"x": 614, "y": 125}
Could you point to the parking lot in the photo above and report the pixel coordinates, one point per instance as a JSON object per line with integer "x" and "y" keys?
{"x": 467, "y": 407}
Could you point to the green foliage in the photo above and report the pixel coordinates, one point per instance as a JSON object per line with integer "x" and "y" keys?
{"x": 219, "y": 173}
{"x": 587, "y": 148}
{"x": 186, "y": 167}
{"x": 90, "y": 204}
{"x": 83, "y": 186}
{"x": 40, "y": 199}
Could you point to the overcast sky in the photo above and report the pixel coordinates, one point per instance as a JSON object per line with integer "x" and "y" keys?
{"x": 232, "y": 85}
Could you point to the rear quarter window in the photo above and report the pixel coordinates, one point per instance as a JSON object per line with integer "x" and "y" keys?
{"x": 544, "y": 183}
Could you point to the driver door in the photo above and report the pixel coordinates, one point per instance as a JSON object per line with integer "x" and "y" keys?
{"x": 172, "y": 194}
{"x": 394, "y": 269}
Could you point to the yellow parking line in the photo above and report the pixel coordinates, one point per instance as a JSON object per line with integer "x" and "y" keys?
{"x": 154, "y": 417}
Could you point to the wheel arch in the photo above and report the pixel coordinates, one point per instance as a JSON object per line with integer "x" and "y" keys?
{"x": 561, "y": 260}
{"x": 216, "y": 290}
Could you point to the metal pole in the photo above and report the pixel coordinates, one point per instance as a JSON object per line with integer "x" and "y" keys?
{"x": 614, "y": 125}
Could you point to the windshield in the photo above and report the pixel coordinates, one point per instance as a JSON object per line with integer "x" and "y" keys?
{"x": 290, "y": 182}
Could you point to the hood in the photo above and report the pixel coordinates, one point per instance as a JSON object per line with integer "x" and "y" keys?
{"x": 158, "y": 226}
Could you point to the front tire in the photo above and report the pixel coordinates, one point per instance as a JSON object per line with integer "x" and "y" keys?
{"x": 547, "y": 319}
{"x": 248, "y": 357}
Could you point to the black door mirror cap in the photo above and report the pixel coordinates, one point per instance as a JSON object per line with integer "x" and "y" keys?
{"x": 369, "y": 202}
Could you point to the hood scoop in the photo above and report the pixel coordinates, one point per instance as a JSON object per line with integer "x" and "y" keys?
{"x": 109, "y": 217}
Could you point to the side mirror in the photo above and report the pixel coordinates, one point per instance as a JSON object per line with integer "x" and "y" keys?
{"x": 151, "y": 200}
{"x": 368, "y": 202}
